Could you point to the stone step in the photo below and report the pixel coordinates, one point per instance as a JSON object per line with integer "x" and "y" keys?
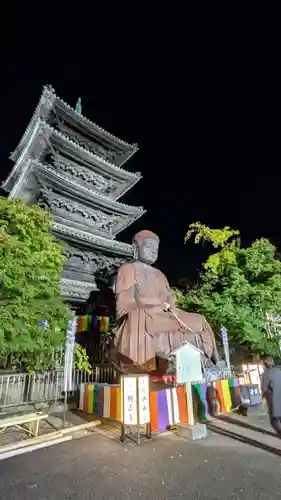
{"x": 247, "y": 433}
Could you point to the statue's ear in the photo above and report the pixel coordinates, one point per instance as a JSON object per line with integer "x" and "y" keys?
{"x": 135, "y": 250}
{"x": 113, "y": 285}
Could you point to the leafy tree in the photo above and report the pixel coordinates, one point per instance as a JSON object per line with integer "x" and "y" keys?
{"x": 238, "y": 286}
{"x": 31, "y": 261}
{"x": 218, "y": 237}
{"x": 81, "y": 359}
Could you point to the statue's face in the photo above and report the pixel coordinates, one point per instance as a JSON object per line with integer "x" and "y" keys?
{"x": 148, "y": 251}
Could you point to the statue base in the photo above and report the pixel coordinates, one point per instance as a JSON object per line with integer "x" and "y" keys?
{"x": 192, "y": 432}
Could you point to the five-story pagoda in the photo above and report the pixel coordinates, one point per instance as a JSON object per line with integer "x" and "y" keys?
{"x": 74, "y": 168}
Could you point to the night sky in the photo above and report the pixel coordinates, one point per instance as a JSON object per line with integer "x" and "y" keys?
{"x": 199, "y": 100}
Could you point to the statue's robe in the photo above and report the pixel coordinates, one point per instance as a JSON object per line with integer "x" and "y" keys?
{"x": 144, "y": 330}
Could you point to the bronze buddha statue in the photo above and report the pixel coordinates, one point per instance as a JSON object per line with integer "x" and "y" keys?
{"x": 147, "y": 328}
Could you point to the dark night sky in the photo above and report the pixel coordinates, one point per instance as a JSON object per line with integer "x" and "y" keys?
{"x": 199, "y": 100}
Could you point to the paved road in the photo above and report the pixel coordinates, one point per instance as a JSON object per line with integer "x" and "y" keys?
{"x": 165, "y": 468}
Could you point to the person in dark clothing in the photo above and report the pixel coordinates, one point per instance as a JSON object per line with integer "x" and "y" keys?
{"x": 271, "y": 391}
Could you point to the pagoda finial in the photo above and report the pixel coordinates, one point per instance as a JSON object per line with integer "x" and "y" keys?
{"x": 78, "y": 107}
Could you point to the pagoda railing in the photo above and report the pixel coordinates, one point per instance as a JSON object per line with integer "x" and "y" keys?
{"x": 95, "y": 352}
{"x": 20, "y": 390}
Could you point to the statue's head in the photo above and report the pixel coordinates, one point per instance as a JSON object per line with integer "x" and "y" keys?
{"x": 268, "y": 362}
{"x": 146, "y": 246}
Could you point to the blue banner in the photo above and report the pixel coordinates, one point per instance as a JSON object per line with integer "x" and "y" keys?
{"x": 68, "y": 355}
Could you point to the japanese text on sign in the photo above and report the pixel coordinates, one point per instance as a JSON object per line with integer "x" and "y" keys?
{"x": 144, "y": 410}
{"x": 130, "y": 400}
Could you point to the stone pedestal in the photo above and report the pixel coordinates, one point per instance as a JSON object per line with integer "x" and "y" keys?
{"x": 192, "y": 432}
{"x": 257, "y": 411}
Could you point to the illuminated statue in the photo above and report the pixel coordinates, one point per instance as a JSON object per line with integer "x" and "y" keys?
{"x": 149, "y": 327}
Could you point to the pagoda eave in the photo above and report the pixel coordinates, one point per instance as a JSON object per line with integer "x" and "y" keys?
{"x": 99, "y": 215}
{"x": 106, "y": 185}
{"x": 66, "y": 186}
{"x": 76, "y": 291}
{"x": 90, "y": 241}
{"x": 43, "y": 138}
{"x": 21, "y": 170}
{"x": 116, "y": 228}
{"x": 92, "y": 160}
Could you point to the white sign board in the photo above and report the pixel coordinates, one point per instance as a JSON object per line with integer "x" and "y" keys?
{"x": 144, "y": 409}
{"x": 224, "y": 337}
{"x": 188, "y": 362}
{"x": 135, "y": 399}
{"x": 129, "y": 396}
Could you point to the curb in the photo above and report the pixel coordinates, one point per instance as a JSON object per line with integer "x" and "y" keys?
{"x": 46, "y": 440}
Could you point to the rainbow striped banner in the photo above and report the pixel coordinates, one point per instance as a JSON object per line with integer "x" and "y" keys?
{"x": 167, "y": 407}
{"x": 101, "y": 399}
{"x": 227, "y": 396}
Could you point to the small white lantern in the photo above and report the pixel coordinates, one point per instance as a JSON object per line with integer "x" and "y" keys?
{"x": 135, "y": 409}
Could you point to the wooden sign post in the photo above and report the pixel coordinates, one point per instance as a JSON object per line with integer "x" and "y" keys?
{"x": 188, "y": 363}
{"x": 135, "y": 409}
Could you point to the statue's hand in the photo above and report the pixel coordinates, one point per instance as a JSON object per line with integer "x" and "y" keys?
{"x": 144, "y": 299}
{"x": 167, "y": 307}
{"x": 142, "y": 289}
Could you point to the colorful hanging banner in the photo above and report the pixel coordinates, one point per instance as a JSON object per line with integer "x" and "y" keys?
{"x": 224, "y": 337}
{"x": 68, "y": 355}
{"x": 167, "y": 407}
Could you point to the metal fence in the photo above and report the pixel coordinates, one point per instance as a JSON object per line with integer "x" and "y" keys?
{"x": 23, "y": 389}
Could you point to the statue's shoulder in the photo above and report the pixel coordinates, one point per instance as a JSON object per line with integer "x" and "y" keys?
{"x": 160, "y": 274}
{"x": 195, "y": 316}
{"x": 127, "y": 267}
{"x": 125, "y": 276}
{"x": 198, "y": 319}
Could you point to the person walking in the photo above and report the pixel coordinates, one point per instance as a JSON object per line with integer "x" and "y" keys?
{"x": 271, "y": 391}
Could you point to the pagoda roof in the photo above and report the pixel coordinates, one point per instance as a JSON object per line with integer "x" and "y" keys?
{"x": 65, "y": 190}
{"x": 93, "y": 159}
{"x": 48, "y": 101}
{"x": 37, "y": 125}
{"x": 76, "y": 290}
{"x": 65, "y": 186}
{"x": 68, "y": 184}
{"x": 79, "y": 117}
{"x": 90, "y": 240}
{"x": 68, "y": 193}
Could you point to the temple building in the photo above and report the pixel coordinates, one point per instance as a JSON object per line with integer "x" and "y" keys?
{"x": 73, "y": 168}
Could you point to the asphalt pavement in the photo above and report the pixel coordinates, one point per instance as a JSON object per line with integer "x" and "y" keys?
{"x": 167, "y": 467}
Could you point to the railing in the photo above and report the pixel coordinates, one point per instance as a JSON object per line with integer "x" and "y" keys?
{"x": 95, "y": 352}
{"x": 22, "y": 389}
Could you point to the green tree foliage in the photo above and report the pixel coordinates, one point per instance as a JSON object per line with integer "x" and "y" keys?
{"x": 238, "y": 286}
{"x": 81, "y": 359}
{"x": 218, "y": 237}
{"x": 31, "y": 261}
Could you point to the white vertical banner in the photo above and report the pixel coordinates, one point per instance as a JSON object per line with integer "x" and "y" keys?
{"x": 224, "y": 337}
{"x": 129, "y": 400}
{"x": 68, "y": 355}
{"x": 144, "y": 409}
